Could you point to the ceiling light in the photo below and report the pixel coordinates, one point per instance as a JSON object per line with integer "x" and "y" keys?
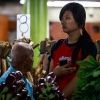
{"x": 22, "y": 1}
{"x": 62, "y": 3}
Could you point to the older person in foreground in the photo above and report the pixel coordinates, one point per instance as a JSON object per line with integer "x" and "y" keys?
{"x": 22, "y": 60}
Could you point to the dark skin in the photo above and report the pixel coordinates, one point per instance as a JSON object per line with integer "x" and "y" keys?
{"x": 22, "y": 57}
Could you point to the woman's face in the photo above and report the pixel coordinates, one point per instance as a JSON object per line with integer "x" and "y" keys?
{"x": 68, "y": 22}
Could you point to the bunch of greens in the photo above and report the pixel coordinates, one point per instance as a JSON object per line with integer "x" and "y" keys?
{"x": 48, "y": 89}
{"x": 88, "y": 86}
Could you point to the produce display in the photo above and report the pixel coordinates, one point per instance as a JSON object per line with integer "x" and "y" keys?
{"x": 47, "y": 89}
{"x": 42, "y": 67}
{"x": 5, "y": 48}
{"x": 27, "y": 40}
{"x": 46, "y": 45}
{"x": 13, "y": 88}
{"x": 88, "y": 86}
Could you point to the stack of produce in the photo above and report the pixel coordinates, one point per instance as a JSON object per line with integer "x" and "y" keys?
{"x": 88, "y": 86}
{"x": 46, "y": 45}
{"x": 14, "y": 88}
{"x": 42, "y": 66}
{"x": 48, "y": 89}
{"x": 27, "y": 40}
{"x": 5, "y": 48}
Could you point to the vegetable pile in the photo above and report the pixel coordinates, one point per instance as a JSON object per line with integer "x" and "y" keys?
{"x": 48, "y": 89}
{"x": 13, "y": 88}
{"x": 88, "y": 86}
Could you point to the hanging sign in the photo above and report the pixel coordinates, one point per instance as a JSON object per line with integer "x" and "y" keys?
{"x": 23, "y": 26}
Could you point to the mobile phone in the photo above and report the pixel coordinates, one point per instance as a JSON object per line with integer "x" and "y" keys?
{"x": 63, "y": 62}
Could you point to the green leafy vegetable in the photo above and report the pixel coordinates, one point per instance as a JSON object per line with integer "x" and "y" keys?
{"x": 88, "y": 86}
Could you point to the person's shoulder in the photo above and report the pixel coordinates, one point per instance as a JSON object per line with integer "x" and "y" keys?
{"x": 89, "y": 48}
{"x": 89, "y": 44}
{"x": 5, "y": 74}
{"x": 57, "y": 44}
{"x": 28, "y": 82}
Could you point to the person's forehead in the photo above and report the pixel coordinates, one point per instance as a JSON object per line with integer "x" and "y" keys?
{"x": 67, "y": 12}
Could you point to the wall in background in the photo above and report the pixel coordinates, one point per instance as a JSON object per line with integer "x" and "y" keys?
{"x": 92, "y": 14}
{"x": 4, "y": 28}
{"x": 93, "y": 19}
{"x": 56, "y": 32}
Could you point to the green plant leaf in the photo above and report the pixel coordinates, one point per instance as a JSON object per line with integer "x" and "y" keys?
{"x": 48, "y": 89}
{"x": 48, "y": 84}
{"x": 85, "y": 64}
{"x": 92, "y": 82}
{"x": 80, "y": 73}
{"x": 81, "y": 83}
{"x": 98, "y": 97}
{"x": 97, "y": 87}
{"x": 5, "y": 90}
{"x": 93, "y": 61}
{"x": 44, "y": 92}
{"x": 40, "y": 96}
{"x": 88, "y": 86}
{"x": 51, "y": 96}
{"x": 96, "y": 73}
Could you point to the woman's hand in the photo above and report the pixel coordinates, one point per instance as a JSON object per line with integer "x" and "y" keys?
{"x": 63, "y": 70}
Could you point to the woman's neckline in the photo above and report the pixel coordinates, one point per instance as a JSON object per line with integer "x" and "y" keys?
{"x": 69, "y": 44}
